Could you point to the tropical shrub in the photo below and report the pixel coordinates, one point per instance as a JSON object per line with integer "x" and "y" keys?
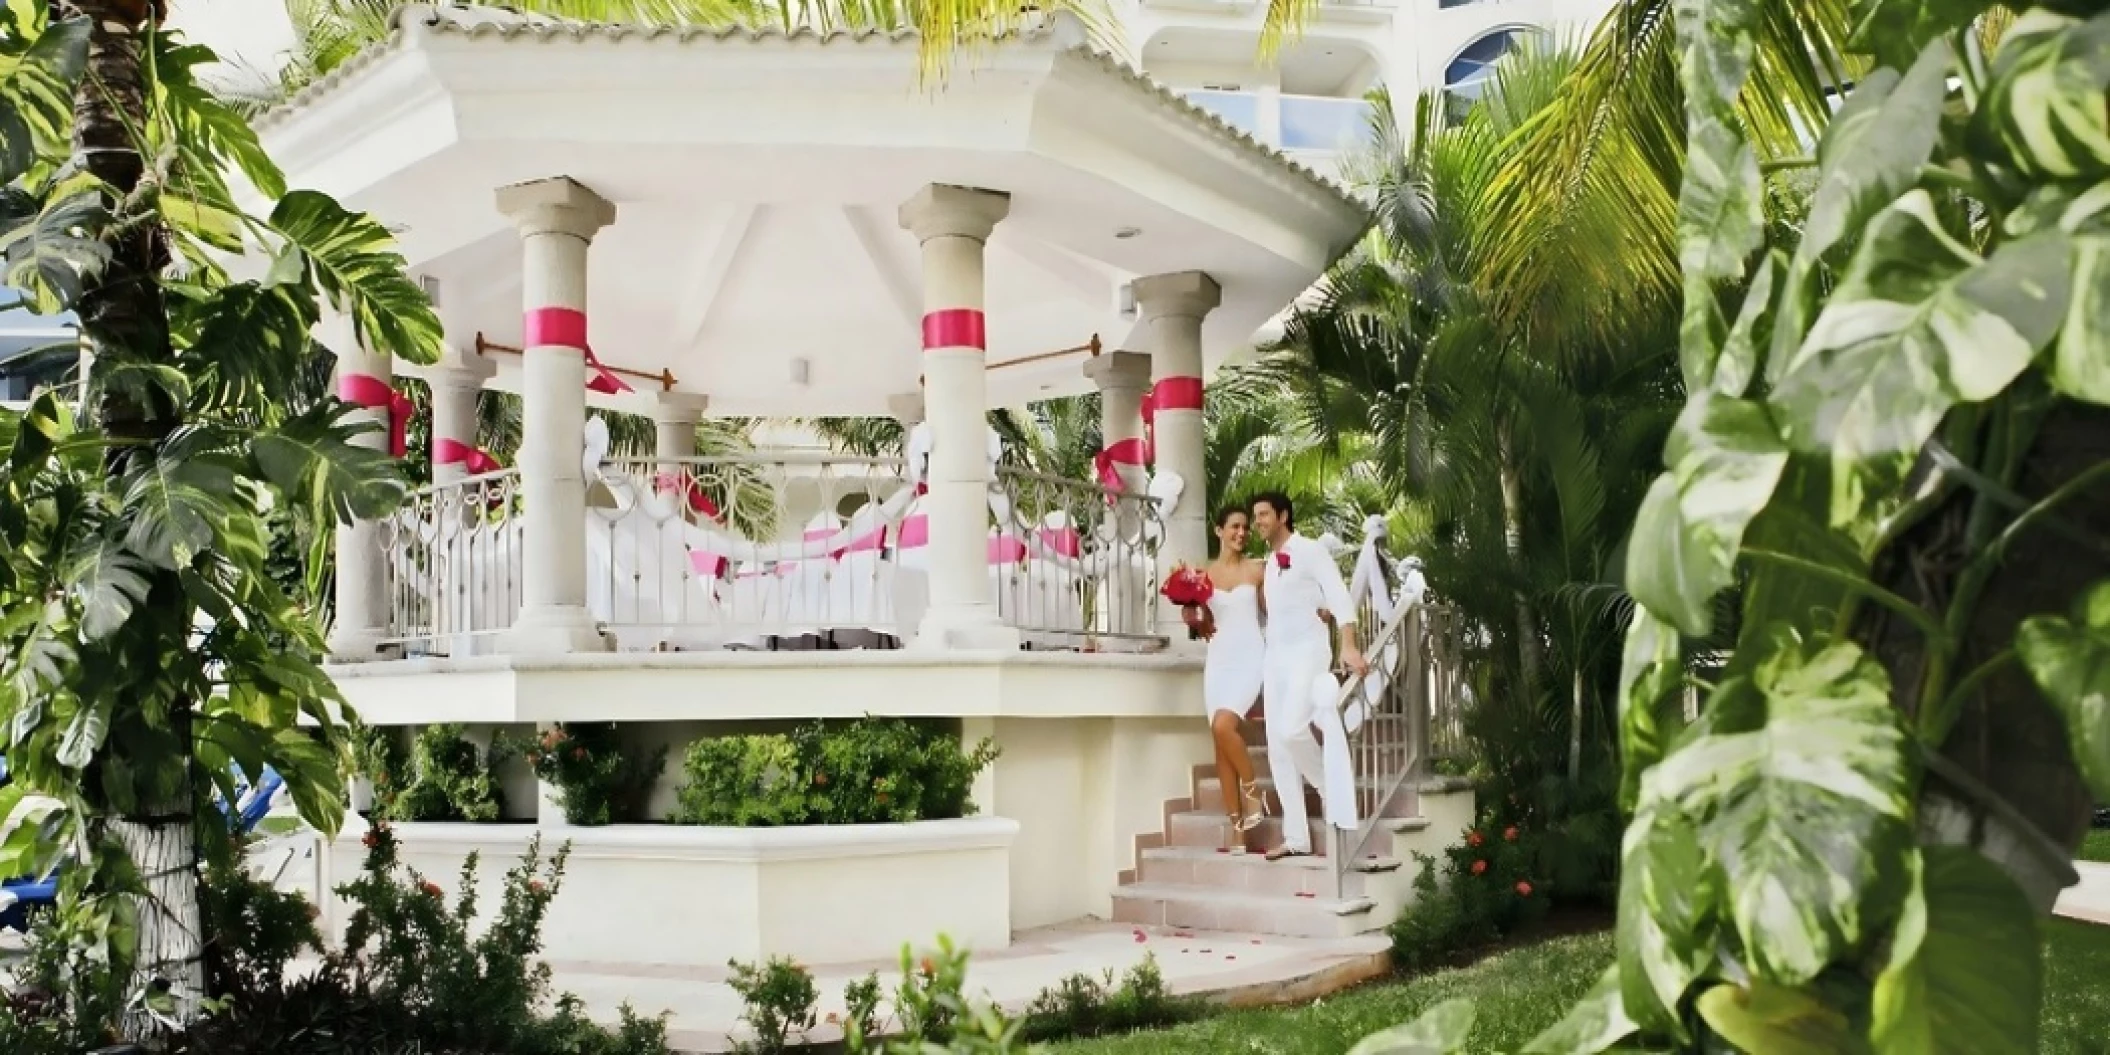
{"x": 1894, "y": 445}
{"x": 451, "y": 779}
{"x": 1486, "y": 889}
{"x": 869, "y": 771}
{"x": 780, "y": 1000}
{"x": 1083, "y": 1006}
{"x": 598, "y": 779}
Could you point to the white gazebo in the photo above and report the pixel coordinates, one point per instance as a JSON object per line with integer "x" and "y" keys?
{"x": 764, "y": 224}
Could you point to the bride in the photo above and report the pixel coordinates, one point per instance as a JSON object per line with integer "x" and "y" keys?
{"x": 1231, "y": 676}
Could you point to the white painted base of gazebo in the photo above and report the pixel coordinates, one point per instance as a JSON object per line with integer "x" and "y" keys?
{"x": 1093, "y": 746}
{"x": 697, "y": 897}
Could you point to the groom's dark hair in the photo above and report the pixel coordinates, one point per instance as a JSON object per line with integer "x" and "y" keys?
{"x": 1280, "y": 503}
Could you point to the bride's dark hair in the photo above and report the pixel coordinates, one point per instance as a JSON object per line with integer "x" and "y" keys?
{"x": 1224, "y": 514}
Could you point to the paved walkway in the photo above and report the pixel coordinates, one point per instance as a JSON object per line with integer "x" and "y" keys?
{"x": 2088, "y": 899}
{"x": 1239, "y": 969}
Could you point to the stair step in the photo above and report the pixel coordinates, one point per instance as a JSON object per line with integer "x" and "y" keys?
{"x": 1247, "y": 872}
{"x": 1210, "y": 908}
{"x": 1405, "y": 803}
{"x": 1208, "y": 828}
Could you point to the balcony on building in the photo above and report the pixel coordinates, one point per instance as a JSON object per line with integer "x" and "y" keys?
{"x": 1311, "y": 105}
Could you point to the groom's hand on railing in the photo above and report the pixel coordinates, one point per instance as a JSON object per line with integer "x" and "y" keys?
{"x": 1352, "y": 658}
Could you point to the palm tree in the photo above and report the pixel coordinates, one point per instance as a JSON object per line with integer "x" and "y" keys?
{"x": 1528, "y": 440}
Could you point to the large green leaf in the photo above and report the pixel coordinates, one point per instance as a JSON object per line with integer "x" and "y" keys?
{"x": 52, "y": 255}
{"x": 1778, "y": 1020}
{"x": 205, "y": 128}
{"x": 1801, "y": 789}
{"x": 354, "y": 260}
{"x": 40, "y": 62}
{"x": 1871, "y": 153}
{"x": 312, "y": 459}
{"x": 2080, "y": 364}
{"x": 1720, "y": 213}
{"x": 1965, "y": 975}
{"x": 175, "y": 498}
{"x": 1596, "y": 1022}
{"x": 2070, "y": 660}
{"x": 83, "y": 736}
{"x": 1651, "y": 672}
{"x": 1917, "y": 325}
{"x": 2044, "y": 103}
{"x": 1440, "y": 1030}
{"x": 1742, "y": 348}
{"x": 1725, "y": 457}
{"x": 253, "y": 340}
{"x": 107, "y": 583}
{"x": 1668, "y": 911}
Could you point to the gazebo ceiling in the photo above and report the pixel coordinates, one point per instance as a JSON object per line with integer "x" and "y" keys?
{"x": 756, "y": 253}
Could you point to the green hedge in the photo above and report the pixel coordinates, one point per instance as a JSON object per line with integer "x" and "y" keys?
{"x": 870, "y": 771}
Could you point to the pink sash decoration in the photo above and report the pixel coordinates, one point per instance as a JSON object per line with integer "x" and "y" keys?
{"x": 1064, "y": 541}
{"x": 915, "y": 532}
{"x": 475, "y": 460}
{"x": 565, "y": 327}
{"x": 955, "y": 328}
{"x": 874, "y": 539}
{"x": 372, "y": 393}
{"x": 1007, "y": 549}
{"x": 707, "y": 564}
{"x": 697, "y": 501}
{"x": 1135, "y": 453}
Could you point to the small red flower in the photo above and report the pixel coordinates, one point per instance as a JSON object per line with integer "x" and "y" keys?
{"x": 820, "y": 780}
{"x": 1523, "y": 888}
{"x": 1479, "y": 867}
{"x": 578, "y": 754}
{"x": 431, "y": 889}
{"x": 1510, "y": 833}
{"x": 1282, "y": 559}
{"x": 536, "y": 886}
{"x": 1475, "y": 838}
{"x": 929, "y": 969}
{"x": 371, "y": 839}
{"x": 880, "y": 798}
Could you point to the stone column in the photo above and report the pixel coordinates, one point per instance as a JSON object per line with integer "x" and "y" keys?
{"x": 1173, "y": 305}
{"x": 361, "y": 622}
{"x": 1122, "y": 379}
{"x": 676, "y": 415}
{"x": 952, "y": 224}
{"x": 557, "y": 219}
{"x": 457, "y": 382}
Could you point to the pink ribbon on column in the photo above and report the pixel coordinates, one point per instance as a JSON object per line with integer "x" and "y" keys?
{"x": 475, "y": 460}
{"x": 1133, "y": 452}
{"x": 566, "y": 327}
{"x": 372, "y": 393}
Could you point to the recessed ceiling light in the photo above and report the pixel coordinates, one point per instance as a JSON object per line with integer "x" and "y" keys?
{"x": 1127, "y": 232}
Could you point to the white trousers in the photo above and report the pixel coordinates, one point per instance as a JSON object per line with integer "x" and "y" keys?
{"x": 1291, "y": 689}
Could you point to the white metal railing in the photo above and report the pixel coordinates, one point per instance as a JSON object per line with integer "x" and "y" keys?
{"x": 749, "y": 550}
{"x": 1395, "y": 716}
{"x": 1075, "y": 562}
{"x": 453, "y": 554}
{"x": 778, "y": 550}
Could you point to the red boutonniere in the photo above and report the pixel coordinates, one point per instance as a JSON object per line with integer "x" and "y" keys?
{"x": 1282, "y": 559}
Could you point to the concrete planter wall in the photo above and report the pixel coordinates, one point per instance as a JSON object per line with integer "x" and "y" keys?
{"x": 698, "y": 896}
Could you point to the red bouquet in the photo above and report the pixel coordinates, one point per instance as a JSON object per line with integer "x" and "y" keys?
{"x": 1188, "y": 587}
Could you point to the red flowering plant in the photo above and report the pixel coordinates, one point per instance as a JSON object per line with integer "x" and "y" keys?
{"x": 1483, "y": 889}
{"x": 598, "y": 779}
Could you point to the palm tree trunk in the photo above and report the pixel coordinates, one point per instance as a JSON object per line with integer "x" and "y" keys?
{"x": 1529, "y": 653}
{"x": 1575, "y": 728}
{"x": 125, "y": 319}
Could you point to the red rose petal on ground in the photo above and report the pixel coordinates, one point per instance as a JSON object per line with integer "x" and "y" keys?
{"x": 1230, "y": 957}
{"x": 1206, "y": 952}
{"x": 1256, "y": 941}
{"x": 1140, "y": 938}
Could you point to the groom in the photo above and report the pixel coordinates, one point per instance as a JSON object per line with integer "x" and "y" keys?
{"x": 1303, "y": 587}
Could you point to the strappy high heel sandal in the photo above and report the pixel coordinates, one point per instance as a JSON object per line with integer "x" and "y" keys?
{"x": 1256, "y": 806}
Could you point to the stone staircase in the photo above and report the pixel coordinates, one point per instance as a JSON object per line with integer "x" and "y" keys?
{"x": 1184, "y": 876}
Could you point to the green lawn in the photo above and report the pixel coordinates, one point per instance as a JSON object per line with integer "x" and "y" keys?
{"x": 2096, "y": 847}
{"x": 1523, "y": 991}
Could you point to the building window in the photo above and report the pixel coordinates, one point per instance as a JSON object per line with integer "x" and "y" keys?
{"x": 1468, "y": 75}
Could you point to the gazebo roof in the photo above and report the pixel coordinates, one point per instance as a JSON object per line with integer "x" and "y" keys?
{"x": 757, "y": 173}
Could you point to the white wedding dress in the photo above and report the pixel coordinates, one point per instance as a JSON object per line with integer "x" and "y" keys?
{"x": 1231, "y": 675}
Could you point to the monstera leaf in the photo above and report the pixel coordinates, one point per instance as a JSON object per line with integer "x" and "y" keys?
{"x": 2070, "y": 660}
{"x": 354, "y": 260}
{"x": 39, "y": 64}
{"x": 107, "y": 582}
{"x": 1668, "y": 910}
{"x": 1650, "y": 673}
{"x": 1598, "y": 1021}
{"x": 1798, "y": 786}
{"x": 312, "y": 459}
{"x": 175, "y": 497}
{"x": 1725, "y": 458}
{"x": 53, "y": 253}
{"x": 1965, "y": 972}
{"x": 1779, "y": 1020}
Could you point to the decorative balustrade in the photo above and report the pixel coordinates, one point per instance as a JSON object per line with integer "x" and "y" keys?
{"x": 453, "y": 558}
{"x": 786, "y": 550}
{"x": 1074, "y": 562}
